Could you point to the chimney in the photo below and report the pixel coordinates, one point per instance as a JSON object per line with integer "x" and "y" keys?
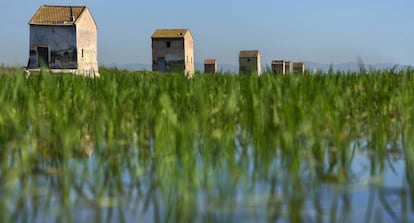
{"x": 71, "y": 18}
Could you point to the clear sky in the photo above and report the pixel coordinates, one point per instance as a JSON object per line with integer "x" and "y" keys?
{"x": 323, "y": 31}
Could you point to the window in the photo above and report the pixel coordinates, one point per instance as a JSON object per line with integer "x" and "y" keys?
{"x": 168, "y": 43}
{"x": 248, "y": 59}
{"x": 82, "y": 53}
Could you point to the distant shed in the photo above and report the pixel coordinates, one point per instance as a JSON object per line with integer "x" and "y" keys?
{"x": 279, "y": 66}
{"x": 210, "y": 66}
{"x": 288, "y": 67}
{"x": 173, "y": 51}
{"x": 298, "y": 68}
{"x": 64, "y": 38}
{"x": 249, "y": 62}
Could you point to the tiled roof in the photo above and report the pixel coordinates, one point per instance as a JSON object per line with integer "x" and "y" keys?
{"x": 249, "y": 53}
{"x": 170, "y": 33}
{"x": 209, "y": 61}
{"x": 56, "y": 15}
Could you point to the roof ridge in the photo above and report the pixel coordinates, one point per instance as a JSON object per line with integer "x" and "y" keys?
{"x": 171, "y": 33}
{"x": 66, "y": 6}
{"x": 57, "y": 15}
{"x": 175, "y": 29}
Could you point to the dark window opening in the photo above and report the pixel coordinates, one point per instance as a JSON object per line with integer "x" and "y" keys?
{"x": 248, "y": 59}
{"x": 82, "y": 53}
{"x": 168, "y": 44}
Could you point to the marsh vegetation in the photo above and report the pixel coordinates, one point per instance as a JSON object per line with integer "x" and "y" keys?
{"x": 215, "y": 148}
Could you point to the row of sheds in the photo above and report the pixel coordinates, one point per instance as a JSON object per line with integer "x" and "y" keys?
{"x": 64, "y": 38}
{"x": 249, "y": 63}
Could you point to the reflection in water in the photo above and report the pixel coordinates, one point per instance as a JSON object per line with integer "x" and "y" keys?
{"x": 208, "y": 186}
{"x": 149, "y": 148}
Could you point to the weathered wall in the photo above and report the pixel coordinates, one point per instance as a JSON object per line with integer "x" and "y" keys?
{"x": 61, "y": 43}
{"x": 173, "y": 55}
{"x": 87, "y": 44}
{"x": 210, "y": 68}
{"x": 250, "y": 65}
{"x": 278, "y": 67}
{"x": 189, "y": 54}
{"x": 299, "y": 68}
{"x": 288, "y": 67}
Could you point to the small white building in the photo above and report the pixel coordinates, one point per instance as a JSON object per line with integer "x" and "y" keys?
{"x": 288, "y": 67}
{"x": 298, "y": 68}
{"x": 282, "y": 66}
{"x": 210, "y": 66}
{"x": 64, "y": 38}
{"x": 249, "y": 62}
{"x": 173, "y": 51}
{"x": 279, "y": 66}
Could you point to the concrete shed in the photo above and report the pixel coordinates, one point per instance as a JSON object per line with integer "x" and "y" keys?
{"x": 64, "y": 38}
{"x": 249, "y": 62}
{"x": 210, "y": 66}
{"x": 298, "y": 68}
{"x": 173, "y": 51}
{"x": 279, "y": 66}
{"x": 282, "y": 66}
{"x": 288, "y": 67}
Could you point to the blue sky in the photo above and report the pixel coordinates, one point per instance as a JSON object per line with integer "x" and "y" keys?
{"x": 324, "y": 31}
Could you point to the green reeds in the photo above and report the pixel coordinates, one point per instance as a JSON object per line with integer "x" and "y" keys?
{"x": 219, "y": 148}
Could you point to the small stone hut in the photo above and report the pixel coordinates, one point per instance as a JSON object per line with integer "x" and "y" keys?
{"x": 279, "y": 66}
{"x": 210, "y": 66}
{"x": 173, "y": 51}
{"x": 298, "y": 68}
{"x": 63, "y": 38}
{"x": 288, "y": 67}
{"x": 249, "y": 62}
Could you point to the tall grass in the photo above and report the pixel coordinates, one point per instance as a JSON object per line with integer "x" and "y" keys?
{"x": 210, "y": 149}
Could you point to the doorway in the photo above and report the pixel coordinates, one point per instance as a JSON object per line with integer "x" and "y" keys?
{"x": 161, "y": 64}
{"x": 43, "y": 56}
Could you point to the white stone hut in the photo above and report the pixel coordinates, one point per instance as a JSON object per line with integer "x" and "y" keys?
{"x": 249, "y": 62}
{"x": 64, "y": 38}
{"x": 288, "y": 67}
{"x": 298, "y": 68}
{"x": 173, "y": 51}
{"x": 279, "y": 66}
{"x": 210, "y": 66}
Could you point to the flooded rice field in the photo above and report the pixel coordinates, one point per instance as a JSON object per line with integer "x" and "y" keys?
{"x": 139, "y": 146}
